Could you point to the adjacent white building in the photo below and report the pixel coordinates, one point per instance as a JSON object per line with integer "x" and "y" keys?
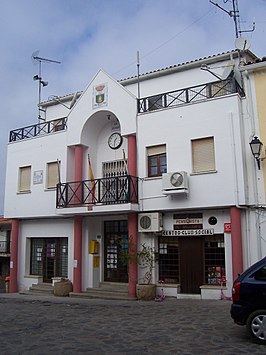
{"x": 169, "y": 169}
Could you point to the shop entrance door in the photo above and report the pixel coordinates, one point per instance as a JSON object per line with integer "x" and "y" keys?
{"x": 115, "y": 244}
{"x": 50, "y": 260}
{"x": 191, "y": 264}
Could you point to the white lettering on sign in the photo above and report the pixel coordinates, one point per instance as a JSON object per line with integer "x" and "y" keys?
{"x": 187, "y": 232}
{"x": 188, "y": 221}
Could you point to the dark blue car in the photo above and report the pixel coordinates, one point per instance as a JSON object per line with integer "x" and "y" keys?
{"x": 249, "y": 301}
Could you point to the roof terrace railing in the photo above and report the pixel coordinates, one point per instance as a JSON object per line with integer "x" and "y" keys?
{"x": 189, "y": 95}
{"x": 39, "y": 129}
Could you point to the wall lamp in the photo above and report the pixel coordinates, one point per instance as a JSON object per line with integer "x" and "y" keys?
{"x": 255, "y": 146}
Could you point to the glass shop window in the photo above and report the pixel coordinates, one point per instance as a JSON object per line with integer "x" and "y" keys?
{"x": 214, "y": 260}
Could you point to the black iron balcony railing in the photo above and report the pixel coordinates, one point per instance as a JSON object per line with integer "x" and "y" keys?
{"x": 39, "y": 129}
{"x": 107, "y": 191}
{"x": 4, "y": 247}
{"x": 189, "y": 95}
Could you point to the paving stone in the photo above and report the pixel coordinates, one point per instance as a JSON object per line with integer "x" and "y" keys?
{"x": 61, "y": 325}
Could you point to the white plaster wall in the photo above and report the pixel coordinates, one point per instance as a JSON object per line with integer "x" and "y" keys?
{"x": 56, "y": 111}
{"x": 36, "y": 153}
{"x": 176, "y": 128}
{"x": 177, "y": 80}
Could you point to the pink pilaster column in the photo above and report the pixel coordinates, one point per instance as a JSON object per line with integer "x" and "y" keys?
{"x": 132, "y": 220}
{"x": 78, "y": 163}
{"x": 77, "y": 254}
{"x": 13, "y": 284}
{"x": 78, "y": 175}
{"x": 236, "y": 237}
{"x": 132, "y": 155}
{"x": 132, "y": 266}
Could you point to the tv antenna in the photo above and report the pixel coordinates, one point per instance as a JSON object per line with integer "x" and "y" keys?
{"x": 236, "y": 16}
{"x": 38, "y": 77}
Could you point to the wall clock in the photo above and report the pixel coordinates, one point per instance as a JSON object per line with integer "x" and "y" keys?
{"x": 115, "y": 140}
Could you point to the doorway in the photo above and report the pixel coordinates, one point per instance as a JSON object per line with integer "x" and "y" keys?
{"x": 191, "y": 264}
{"x": 49, "y": 258}
{"x": 115, "y": 244}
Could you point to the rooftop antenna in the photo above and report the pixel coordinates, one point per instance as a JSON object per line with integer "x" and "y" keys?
{"x": 38, "y": 77}
{"x": 236, "y": 16}
{"x": 138, "y": 65}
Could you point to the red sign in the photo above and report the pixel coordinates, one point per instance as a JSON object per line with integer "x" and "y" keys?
{"x": 227, "y": 227}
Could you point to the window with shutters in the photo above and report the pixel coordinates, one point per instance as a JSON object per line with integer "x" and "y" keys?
{"x": 52, "y": 174}
{"x": 157, "y": 164}
{"x": 24, "y": 179}
{"x": 203, "y": 155}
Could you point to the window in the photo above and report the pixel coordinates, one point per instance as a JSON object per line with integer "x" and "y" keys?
{"x": 157, "y": 164}
{"x": 203, "y": 159}
{"x": 24, "y": 178}
{"x": 53, "y": 174}
{"x": 214, "y": 260}
{"x": 169, "y": 260}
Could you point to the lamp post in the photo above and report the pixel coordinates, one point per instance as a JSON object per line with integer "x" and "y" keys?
{"x": 255, "y": 146}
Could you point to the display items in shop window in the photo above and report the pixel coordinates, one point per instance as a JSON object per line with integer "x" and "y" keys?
{"x": 216, "y": 276}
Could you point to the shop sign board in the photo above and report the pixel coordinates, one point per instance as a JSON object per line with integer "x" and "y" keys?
{"x": 187, "y": 232}
{"x": 227, "y": 227}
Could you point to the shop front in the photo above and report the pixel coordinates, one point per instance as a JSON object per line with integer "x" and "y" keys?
{"x": 192, "y": 257}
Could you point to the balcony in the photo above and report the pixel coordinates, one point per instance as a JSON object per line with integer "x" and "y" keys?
{"x": 39, "y": 129}
{"x": 4, "y": 247}
{"x": 105, "y": 191}
{"x": 193, "y": 94}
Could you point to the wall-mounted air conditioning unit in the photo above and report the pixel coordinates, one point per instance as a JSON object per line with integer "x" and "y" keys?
{"x": 150, "y": 222}
{"x": 175, "y": 182}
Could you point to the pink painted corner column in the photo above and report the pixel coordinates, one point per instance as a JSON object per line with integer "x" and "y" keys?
{"x": 77, "y": 272}
{"x": 77, "y": 254}
{"x": 132, "y": 266}
{"x": 13, "y": 284}
{"x": 236, "y": 237}
{"x": 132, "y": 220}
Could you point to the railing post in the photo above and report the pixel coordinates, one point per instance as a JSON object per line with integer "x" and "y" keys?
{"x": 187, "y": 96}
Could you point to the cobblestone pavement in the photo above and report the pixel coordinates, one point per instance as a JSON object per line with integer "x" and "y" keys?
{"x": 60, "y": 325}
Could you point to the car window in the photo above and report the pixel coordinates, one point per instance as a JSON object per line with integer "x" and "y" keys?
{"x": 260, "y": 274}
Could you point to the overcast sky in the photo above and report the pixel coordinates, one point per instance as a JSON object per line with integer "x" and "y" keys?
{"x": 88, "y": 35}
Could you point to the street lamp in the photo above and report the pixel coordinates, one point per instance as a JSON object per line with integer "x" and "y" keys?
{"x": 255, "y": 146}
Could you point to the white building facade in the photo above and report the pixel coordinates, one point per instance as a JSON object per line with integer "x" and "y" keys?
{"x": 168, "y": 169}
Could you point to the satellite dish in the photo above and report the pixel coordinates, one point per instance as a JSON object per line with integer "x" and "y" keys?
{"x": 242, "y": 43}
{"x": 228, "y": 70}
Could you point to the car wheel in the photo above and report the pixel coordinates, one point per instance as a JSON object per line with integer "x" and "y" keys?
{"x": 256, "y": 325}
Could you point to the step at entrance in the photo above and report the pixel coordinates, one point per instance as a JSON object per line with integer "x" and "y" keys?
{"x": 39, "y": 289}
{"x": 106, "y": 290}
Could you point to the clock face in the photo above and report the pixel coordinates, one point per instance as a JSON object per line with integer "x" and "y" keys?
{"x": 115, "y": 140}
{"x": 177, "y": 179}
